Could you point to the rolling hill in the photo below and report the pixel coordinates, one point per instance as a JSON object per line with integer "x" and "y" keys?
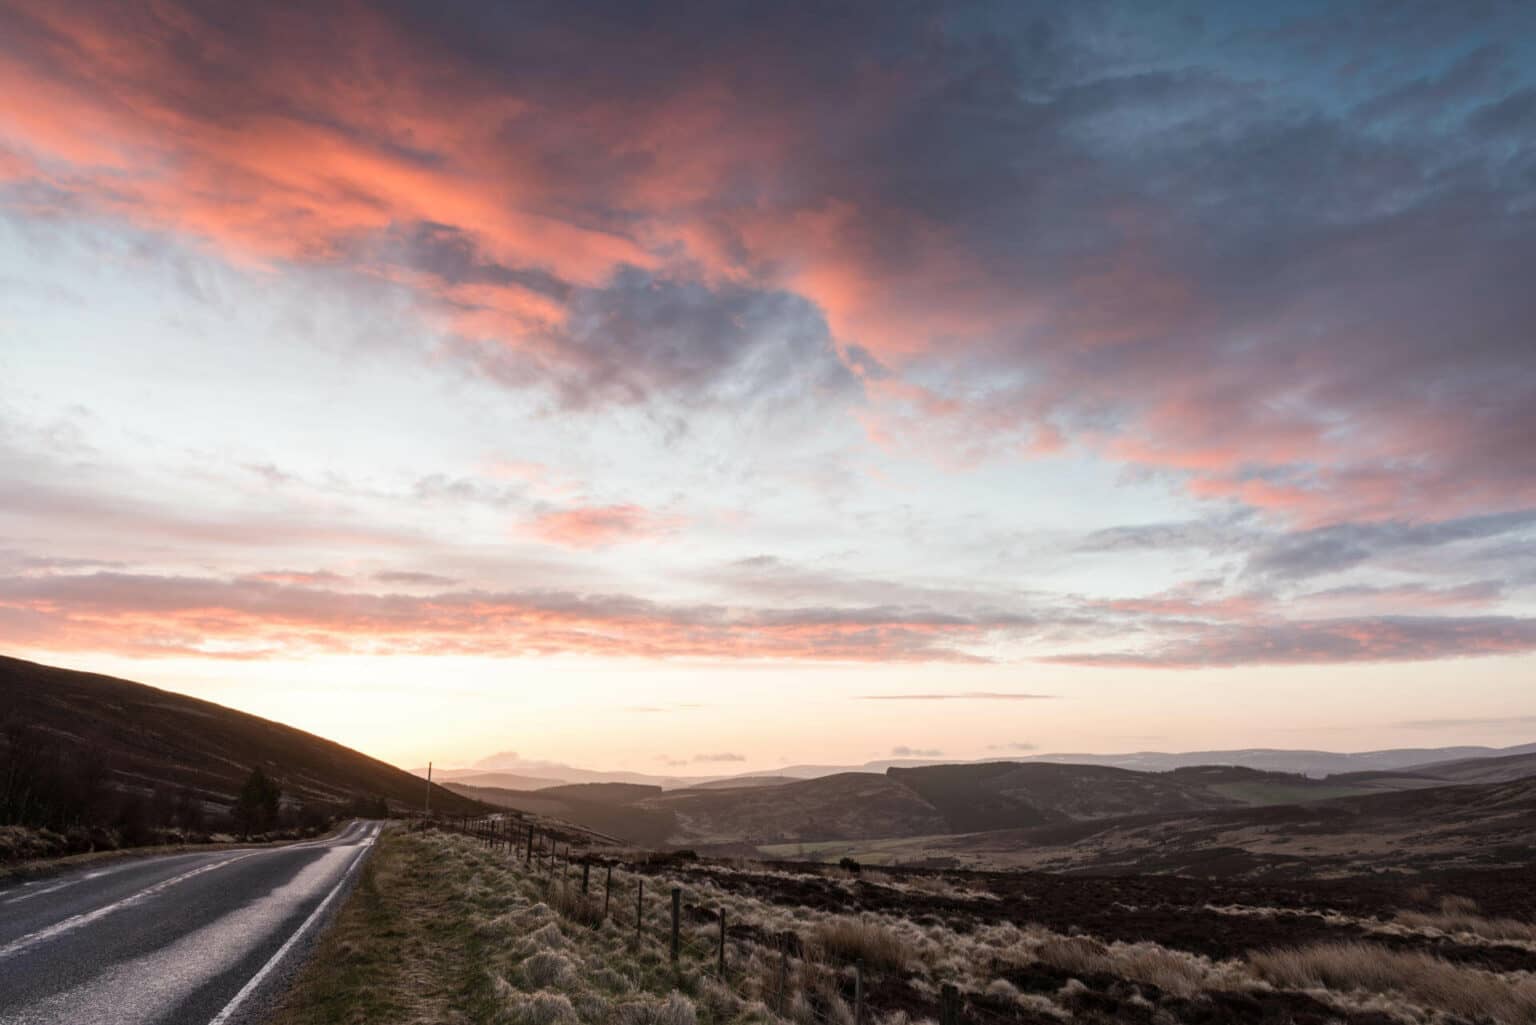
{"x": 1452, "y": 827}
{"x": 146, "y": 738}
{"x": 1306, "y": 762}
{"x": 1504, "y": 769}
{"x": 509, "y": 771}
{"x": 854, "y": 804}
{"x": 504, "y": 780}
{"x": 902, "y": 802}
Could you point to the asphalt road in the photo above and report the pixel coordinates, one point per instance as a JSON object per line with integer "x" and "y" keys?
{"x": 175, "y": 939}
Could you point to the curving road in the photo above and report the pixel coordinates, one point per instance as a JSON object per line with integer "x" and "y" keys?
{"x": 176, "y": 939}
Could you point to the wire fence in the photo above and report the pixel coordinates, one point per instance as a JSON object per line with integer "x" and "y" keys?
{"x": 591, "y": 888}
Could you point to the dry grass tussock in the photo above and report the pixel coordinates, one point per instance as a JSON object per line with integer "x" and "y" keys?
{"x": 1417, "y": 977}
{"x": 534, "y": 952}
{"x": 1172, "y": 971}
{"x": 853, "y": 939}
{"x": 1459, "y": 916}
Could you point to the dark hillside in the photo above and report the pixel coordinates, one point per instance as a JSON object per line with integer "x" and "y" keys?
{"x": 609, "y": 793}
{"x": 1011, "y": 795}
{"x": 147, "y": 741}
{"x": 619, "y": 818}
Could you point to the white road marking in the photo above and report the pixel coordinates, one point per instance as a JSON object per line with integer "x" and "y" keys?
{"x": 141, "y": 990}
{"x": 36, "y": 887}
{"x": 63, "y": 884}
{"x": 86, "y": 918}
{"x": 298, "y": 934}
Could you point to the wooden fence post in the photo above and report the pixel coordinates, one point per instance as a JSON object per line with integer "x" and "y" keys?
{"x": 720, "y": 968}
{"x": 586, "y": 870}
{"x": 639, "y": 906}
{"x": 607, "y": 890}
{"x": 677, "y": 909}
{"x": 528, "y": 859}
{"x": 949, "y": 1005}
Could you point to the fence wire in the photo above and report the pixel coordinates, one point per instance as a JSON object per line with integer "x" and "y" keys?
{"x": 648, "y": 912}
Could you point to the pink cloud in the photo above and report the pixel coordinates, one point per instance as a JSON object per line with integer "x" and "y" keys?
{"x": 1364, "y": 369}
{"x": 155, "y": 616}
{"x": 601, "y": 525}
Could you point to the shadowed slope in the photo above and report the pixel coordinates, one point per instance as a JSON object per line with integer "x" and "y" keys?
{"x": 149, "y": 738}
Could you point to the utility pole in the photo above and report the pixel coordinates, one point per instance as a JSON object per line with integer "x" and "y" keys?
{"x": 429, "y": 790}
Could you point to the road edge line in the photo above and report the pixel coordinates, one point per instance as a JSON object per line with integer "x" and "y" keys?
{"x": 256, "y": 980}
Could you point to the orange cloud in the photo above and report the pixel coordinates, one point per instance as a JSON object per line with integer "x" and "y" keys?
{"x": 602, "y": 525}
{"x": 964, "y": 236}
{"x": 152, "y": 616}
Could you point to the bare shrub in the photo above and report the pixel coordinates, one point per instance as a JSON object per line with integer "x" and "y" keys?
{"x": 1420, "y": 978}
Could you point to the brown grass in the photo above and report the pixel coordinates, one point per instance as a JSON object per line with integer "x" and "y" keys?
{"x": 1171, "y": 971}
{"x": 1475, "y": 925}
{"x": 852, "y": 939}
{"x": 1458, "y": 906}
{"x": 1420, "y": 978}
{"x": 584, "y": 909}
{"x": 1458, "y": 915}
{"x": 397, "y": 952}
{"x": 1077, "y": 954}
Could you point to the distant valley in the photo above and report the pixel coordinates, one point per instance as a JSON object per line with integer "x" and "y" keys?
{"x": 1220, "y": 818}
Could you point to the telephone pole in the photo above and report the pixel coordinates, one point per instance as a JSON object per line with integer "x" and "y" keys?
{"x": 429, "y": 790}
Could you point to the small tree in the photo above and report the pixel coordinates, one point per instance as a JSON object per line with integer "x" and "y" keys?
{"x": 257, "y": 806}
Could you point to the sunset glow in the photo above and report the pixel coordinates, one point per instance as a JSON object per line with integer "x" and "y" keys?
{"x": 654, "y": 388}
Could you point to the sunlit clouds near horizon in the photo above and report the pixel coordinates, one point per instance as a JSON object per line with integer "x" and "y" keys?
{"x": 789, "y": 383}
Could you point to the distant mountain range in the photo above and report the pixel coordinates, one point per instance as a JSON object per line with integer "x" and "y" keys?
{"x": 942, "y": 800}
{"x": 508, "y": 771}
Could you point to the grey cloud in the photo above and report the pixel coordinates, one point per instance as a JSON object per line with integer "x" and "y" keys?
{"x": 1327, "y": 641}
{"x": 1212, "y": 534}
{"x": 438, "y": 487}
{"x": 645, "y": 336}
{"x": 452, "y": 255}
{"x": 903, "y": 751}
{"x": 414, "y": 579}
{"x": 1340, "y": 547}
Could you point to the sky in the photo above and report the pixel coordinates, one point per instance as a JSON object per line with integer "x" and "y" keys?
{"x": 709, "y": 387}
